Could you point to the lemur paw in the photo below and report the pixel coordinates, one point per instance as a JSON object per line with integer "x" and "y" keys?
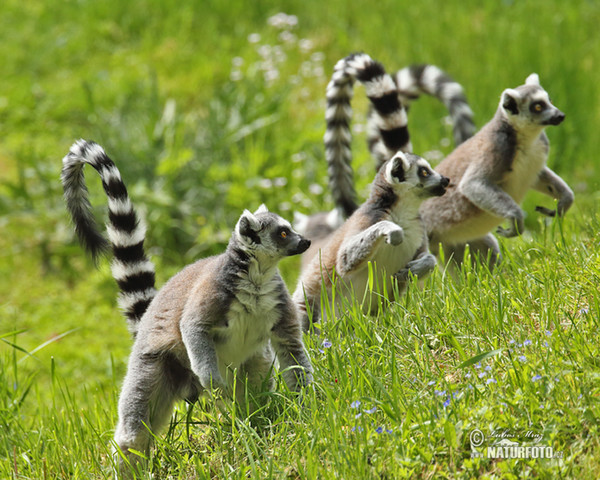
{"x": 394, "y": 236}
{"x": 515, "y": 228}
{"x": 215, "y": 383}
{"x": 420, "y": 268}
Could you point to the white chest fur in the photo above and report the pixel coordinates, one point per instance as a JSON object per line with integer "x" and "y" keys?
{"x": 251, "y": 316}
{"x": 527, "y": 164}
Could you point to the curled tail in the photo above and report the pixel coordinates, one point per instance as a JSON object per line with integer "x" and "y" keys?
{"x": 389, "y": 119}
{"x": 131, "y": 268}
{"x": 415, "y": 80}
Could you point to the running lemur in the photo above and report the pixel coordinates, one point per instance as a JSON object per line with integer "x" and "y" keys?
{"x": 385, "y": 232}
{"x": 217, "y": 315}
{"x": 491, "y": 173}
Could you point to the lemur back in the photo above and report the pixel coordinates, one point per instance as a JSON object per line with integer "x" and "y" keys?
{"x": 221, "y": 315}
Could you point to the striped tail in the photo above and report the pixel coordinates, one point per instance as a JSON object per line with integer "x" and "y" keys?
{"x": 131, "y": 268}
{"x": 389, "y": 119}
{"x": 416, "y": 80}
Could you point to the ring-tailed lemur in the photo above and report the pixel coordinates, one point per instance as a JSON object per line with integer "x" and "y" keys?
{"x": 491, "y": 173}
{"x": 387, "y": 126}
{"x": 413, "y": 81}
{"x": 385, "y": 232}
{"x": 219, "y": 314}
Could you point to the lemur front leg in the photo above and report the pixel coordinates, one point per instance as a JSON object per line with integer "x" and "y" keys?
{"x": 492, "y": 199}
{"x": 200, "y": 347}
{"x": 551, "y": 184}
{"x": 358, "y": 249}
{"x": 286, "y": 338}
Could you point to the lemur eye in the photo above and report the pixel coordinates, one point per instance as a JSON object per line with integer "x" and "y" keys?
{"x": 423, "y": 172}
{"x": 537, "y": 107}
{"x": 283, "y": 233}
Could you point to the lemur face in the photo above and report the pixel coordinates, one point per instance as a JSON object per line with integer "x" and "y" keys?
{"x": 529, "y": 105}
{"x": 269, "y": 235}
{"x": 410, "y": 172}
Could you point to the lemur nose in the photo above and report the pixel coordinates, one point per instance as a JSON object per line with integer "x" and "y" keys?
{"x": 445, "y": 181}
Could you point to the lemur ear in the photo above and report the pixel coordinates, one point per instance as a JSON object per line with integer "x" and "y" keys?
{"x": 262, "y": 209}
{"x": 533, "y": 79}
{"x": 509, "y": 101}
{"x": 248, "y": 226}
{"x": 396, "y": 168}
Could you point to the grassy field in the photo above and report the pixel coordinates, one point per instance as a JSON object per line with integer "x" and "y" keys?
{"x": 210, "y": 107}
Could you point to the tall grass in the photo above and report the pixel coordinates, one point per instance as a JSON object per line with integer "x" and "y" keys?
{"x": 208, "y": 109}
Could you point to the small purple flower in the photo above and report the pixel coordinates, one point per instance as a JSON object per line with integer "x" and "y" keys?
{"x": 326, "y": 344}
{"x": 526, "y": 343}
{"x": 490, "y": 380}
{"x": 478, "y": 365}
{"x": 468, "y": 375}
{"x": 379, "y": 429}
{"x": 446, "y": 402}
{"x": 355, "y": 404}
{"x": 546, "y": 345}
{"x": 359, "y": 428}
{"x": 488, "y": 369}
{"x": 522, "y": 358}
{"x": 440, "y": 393}
{"x": 548, "y": 333}
{"x": 535, "y": 378}
{"x": 455, "y": 394}
{"x": 482, "y": 374}
{"x": 584, "y": 311}
{"x": 371, "y": 410}
{"x": 511, "y": 341}
{"x": 358, "y": 415}
{"x": 431, "y": 383}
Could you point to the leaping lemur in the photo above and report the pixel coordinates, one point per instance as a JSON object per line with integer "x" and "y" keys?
{"x": 492, "y": 171}
{"x": 218, "y": 315}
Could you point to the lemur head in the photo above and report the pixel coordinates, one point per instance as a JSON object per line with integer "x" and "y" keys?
{"x": 529, "y": 106}
{"x": 412, "y": 173}
{"x": 267, "y": 235}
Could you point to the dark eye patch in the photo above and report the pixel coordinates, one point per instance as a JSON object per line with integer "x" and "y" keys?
{"x": 424, "y": 172}
{"x": 538, "y": 107}
{"x": 282, "y": 234}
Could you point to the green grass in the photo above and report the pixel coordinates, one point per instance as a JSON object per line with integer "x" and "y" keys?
{"x": 199, "y": 136}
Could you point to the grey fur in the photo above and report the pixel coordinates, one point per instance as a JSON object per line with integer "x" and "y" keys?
{"x": 491, "y": 173}
{"x": 386, "y": 232}
{"x": 220, "y": 314}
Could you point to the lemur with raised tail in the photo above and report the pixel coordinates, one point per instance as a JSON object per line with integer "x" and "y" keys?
{"x": 387, "y": 126}
{"x": 384, "y": 236}
{"x": 492, "y": 171}
{"x": 218, "y": 315}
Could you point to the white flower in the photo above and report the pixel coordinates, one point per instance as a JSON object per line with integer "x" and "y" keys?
{"x": 254, "y": 37}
